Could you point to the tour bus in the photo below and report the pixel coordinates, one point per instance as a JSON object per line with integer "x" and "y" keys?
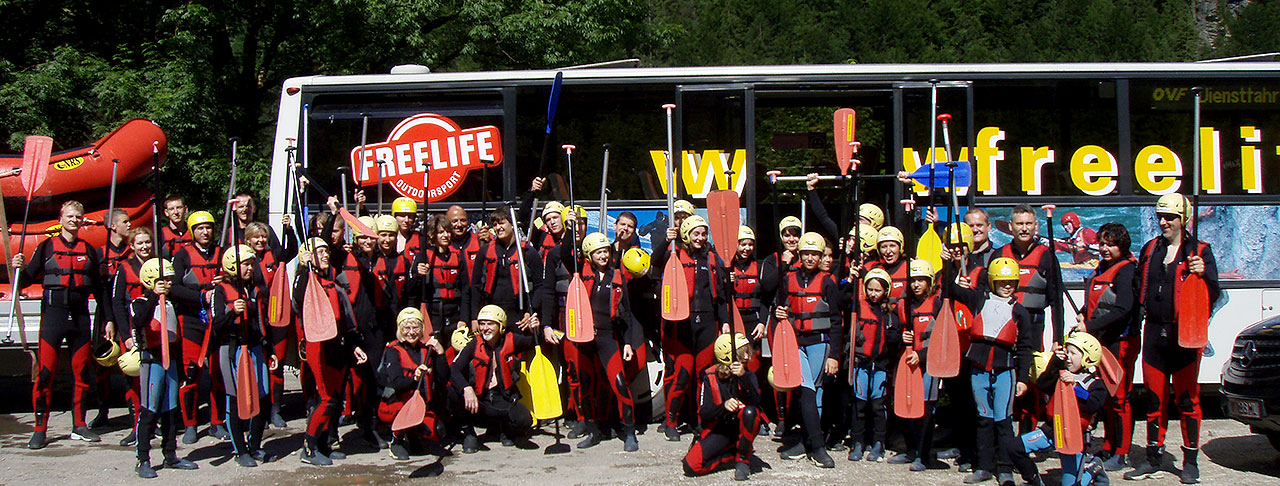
{"x": 1100, "y": 141}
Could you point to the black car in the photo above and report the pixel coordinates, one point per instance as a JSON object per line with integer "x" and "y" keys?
{"x": 1251, "y": 379}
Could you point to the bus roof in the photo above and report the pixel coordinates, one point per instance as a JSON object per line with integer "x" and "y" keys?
{"x": 809, "y": 72}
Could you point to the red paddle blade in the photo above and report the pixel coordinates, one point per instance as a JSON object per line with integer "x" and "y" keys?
{"x": 1067, "y": 433}
{"x": 318, "y": 320}
{"x": 1112, "y": 373}
{"x": 845, "y": 124}
{"x": 164, "y": 331}
{"x": 428, "y": 328}
{"x": 738, "y": 326}
{"x": 1193, "y": 313}
{"x": 675, "y": 291}
{"x": 279, "y": 309}
{"x": 722, "y": 207}
{"x": 908, "y": 389}
{"x": 786, "y": 357}
{"x": 579, "y": 323}
{"x": 246, "y": 386}
{"x": 411, "y": 414}
{"x": 35, "y": 162}
{"x": 354, "y": 222}
{"x": 944, "y": 342}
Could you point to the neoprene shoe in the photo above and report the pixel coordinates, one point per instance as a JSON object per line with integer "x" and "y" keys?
{"x": 315, "y": 458}
{"x": 1190, "y": 470}
{"x": 820, "y": 457}
{"x": 1144, "y": 470}
{"x": 978, "y": 476}
{"x": 100, "y": 419}
{"x": 245, "y": 460}
{"x": 129, "y": 440}
{"x": 190, "y": 436}
{"x": 876, "y": 453}
{"x": 183, "y": 464}
{"x": 219, "y": 431}
{"x": 672, "y": 434}
{"x": 37, "y": 440}
{"x": 741, "y": 471}
{"x": 791, "y": 453}
{"x": 579, "y": 429}
{"x": 1116, "y": 463}
{"x": 145, "y": 471}
{"x": 903, "y": 458}
{"x": 1005, "y": 479}
{"x": 856, "y": 452}
{"x": 590, "y": 440}
{"x": 83, "y": 433}
{"x": 398, "y": 451}
{"x": 629, "y": 442}
{"x": 470, "y": 444}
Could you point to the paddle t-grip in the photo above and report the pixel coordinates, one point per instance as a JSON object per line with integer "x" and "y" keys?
{"x": 568, "y": 148}
{"x": 1048, "y": 209}
{"x": 944, "y": 117}
{"x": 908, "y": 204}
{"x": 669, "y": 107}
{"x": 773, "y": 176}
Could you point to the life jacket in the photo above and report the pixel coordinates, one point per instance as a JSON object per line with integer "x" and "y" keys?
{"x": 409, "y": 360}
{"x": 745, "y": 282}
{"x": 1084, "y": 381}
{"x": 808, "y": 310}
{"x": 68, "y": 267}
{"x": 613, "y": 287}
{"x": 898, "y": 277}
{"x": 390, "y": 278}
{"x": 548, "y": 242}
{"x": 873, "y": 329}
{"x": 975, "y": 275}
{"x": 444, "y": 273}
{"x": 995, "y": 323}
{"x": 923, "y": 314}
{"x": 248, "y": 328}
{"x": 203, "y": 269}
{"x": 714, "y": 387}
{"x": 112, "y": 257}
{"x": 1033, "y": 287}
{"x": 153, "y": 330}
{"x": 268, "y": 265}
{"x": 1180, "y": 270}
{"x": 172, "y": 240}
{"x": 491, "y": 266}
{"x": 409, "y": 247}
{"x": 351, "y": 277}
{"x": 470, "y": 249}
{"x": 690, "y": 264}
{"x": 1100, "y": 296}
{"x": 132, "y": 283}
{"x": 483, "y": 360}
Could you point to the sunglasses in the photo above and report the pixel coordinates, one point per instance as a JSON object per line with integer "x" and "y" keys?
{"x": 1169, "y": 217}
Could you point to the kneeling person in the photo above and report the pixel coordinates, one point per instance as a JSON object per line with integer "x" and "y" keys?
{"x": 409, "y": 364}
{"x": 484, "y": 378}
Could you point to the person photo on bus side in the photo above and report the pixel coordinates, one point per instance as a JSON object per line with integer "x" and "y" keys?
{"x": 482, "y": 387}
{"x": 819, "y": 332}
{"x": 1169, "y": 371}
{"x": 412, "y": 362}
{"x": 728, "y": 411}
{"x": 1075, "y": 363}
{"x": 1080, "y": 241}
{"x": 236, "y": 322}
{"x": 1001, "y": 341}
{"x": 1111, "y": 313}
{"x": 671, "y": 237}
{"x": 624, "y": 235}
{"x": 618, "y": 337}
{"x": 68, "y": 268}
{"x": 159, "y": 395}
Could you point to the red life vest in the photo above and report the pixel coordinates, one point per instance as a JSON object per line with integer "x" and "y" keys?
{"x": 132, "y": 283}
{"x": 409, "y": 360}
{"x": 173, "y": 241}
{"x": 1100, "y": 296}
{"x": 351, "y": 277}
{"x": 1180, "y": 270}
{"x": 1033, "y": 287}
{"x": 548, "y": 242}
{"x": 995, "y": 323}
{"x": 112, "y": 257}
{"x": 245, "y": 322}
{"x": 744, "y": 286}
{"x": 690, "y": 265}
{"x": 69, "y": 266}
{"x": 153, "y": 330}
{"x": 614, "y": 287}
{"x": 491, "y": 266}
{"x": 332, "y": 292}
{"x": 483, "y": 359}
{"x": 872, "y": 329}
{"x": 202, "y": 269}
{"x": 923, "y": 314}
{"x": 898, "y": 277}
{"x": 390, "y": 278}
{"x": 470, "y": 249}
{"x": 412, "y": 246}
{"x": 808, "y": 309}
{"x": 444, "y": 272}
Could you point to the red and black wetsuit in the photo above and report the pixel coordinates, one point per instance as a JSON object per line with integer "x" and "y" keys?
{"x": 726, "y": 436}
{"x": 688, "y": 343}
{"x": 1111, "y": 314}
{"x": 113, "y": 256}
{"x": 497, "y": 274}
{"x": 237, "y": 333}
{"x": 1168, "y": 368}
{"x": 602, "y": 366}
{"x": 195, "y": 268}
{"x": 329, "y": 359}
{"x": 274, "y": 260}
{"x": 491, "y": 370}
{"x": 127, "y": 287}
{"x": 448, "y": 288}
{"x": 395, "y": 377}
{"x": 68, "y": 270}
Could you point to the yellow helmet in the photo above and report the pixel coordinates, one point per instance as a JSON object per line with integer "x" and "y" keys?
{"x": 889, "y": 233}
{"x": 593, "y": 242}
{"x": 315, "y": 242}
{"x": 367, "y": 221}
{"x": 878, "y": 274}
{"x": 813, "y": 242}
{"x": 493, "y": 313}
{"x": 408, "y": 313}
{"x": 921, "y": 268}
{"x": 789, "y": 222}
{"x": 199, "y": 217}
{"x": 723, "y": 348}
{"x": 386, "y": 223}
{"x": 961, "y": 233}
{"x": 1174, "y": 204}
{"x": 106, "y": 353}
{"x": 746, "y": 233}
{"x": 150, "y": 272}
{"x": 1039, "y": 361}
{"x": 552, "y": 207}
{"x": 460, "y": 337}
{"x": 869, "y": 235}
{"x": 1088, "y": 346}
{"x": 775, "y": 384}
{"x": 685, "y": 207}
{"x": 873, "y": 213}
{"x": 403, "y": 205}
{"x": 1003, "y": 268}
{"x": 130, "y": 362}
{"x": 636, "y": 261}
{"x": 229, "y": 258}
{"x": 689, "y": 224}
{"x": 581, "y": 211}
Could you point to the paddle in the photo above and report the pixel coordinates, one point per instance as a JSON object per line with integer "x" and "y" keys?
{"x": 428, "y": 328}
{"x": 1067, "y": 433}
{"x": 1193, "y": 298}
{"x": 579, "y": 322}
{"x": 845, "y": 125}
{"x": 346, "y": 216}
{"x": 162, "y": 299}
{"x": 231, "y": 193}
{"x": 944, "y": 342}
{"x": 35, "y": 166}
{"x": 675, "y": 290}
{"x": 414, "y": 410}
{"x": 545, "y": 390}
{"x": 604, "y": 193}
{"x": 722, "y": 207}
{"x": 553, "y": 104}
{"x": 908, "y": 389}
{"x": 924, "y": 174}
{"x": 786, "y": 356}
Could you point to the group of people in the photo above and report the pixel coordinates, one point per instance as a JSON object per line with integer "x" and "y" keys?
{"x": 387, "y": 310}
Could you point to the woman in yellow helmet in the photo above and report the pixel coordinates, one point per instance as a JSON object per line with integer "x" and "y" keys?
{"x": 411, "y": 362}
{"x": 236, "y": 320}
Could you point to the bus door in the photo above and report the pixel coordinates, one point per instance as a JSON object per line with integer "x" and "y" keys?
{"x": 714, "y": 136}
{"x": 916, "y": 129}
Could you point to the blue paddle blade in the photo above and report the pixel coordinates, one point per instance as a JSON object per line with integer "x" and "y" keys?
{"x": 554, "y": 101}
{"x": 939, "y": 179}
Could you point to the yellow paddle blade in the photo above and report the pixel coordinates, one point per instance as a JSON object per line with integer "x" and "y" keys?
{"x": 930, "y": 248}
{"x": 543, "y": 387}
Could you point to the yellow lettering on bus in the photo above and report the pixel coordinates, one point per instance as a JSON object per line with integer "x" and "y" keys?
{"x": 1033, "y": 159}
{"x": 701, "y": 173}
{"x": 1094, "y": 170}
{"x": 1210, "y": 161}
{"x": 1157, "y": 170}
{"x": 1251, "y": 160}
{"x": 987, "y": 155}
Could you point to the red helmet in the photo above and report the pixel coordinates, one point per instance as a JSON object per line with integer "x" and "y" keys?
{"x": 1071, "y": 218}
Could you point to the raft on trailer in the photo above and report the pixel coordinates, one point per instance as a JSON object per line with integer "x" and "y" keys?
{"x": 89, "y": 167}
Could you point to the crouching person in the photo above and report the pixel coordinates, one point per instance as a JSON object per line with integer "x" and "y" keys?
{"x": 484, "y": 378}
{"x": 410, "y": 364}
{"x": 728, "y": 411}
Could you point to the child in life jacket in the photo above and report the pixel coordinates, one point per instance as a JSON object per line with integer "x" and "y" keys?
{"x": 408, "y": 364}
{"x": 729, "y": 411}
{"x": 918, "y": 312}
{"x": 1076, "y": 363}
{"x": 878, "y": 338}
